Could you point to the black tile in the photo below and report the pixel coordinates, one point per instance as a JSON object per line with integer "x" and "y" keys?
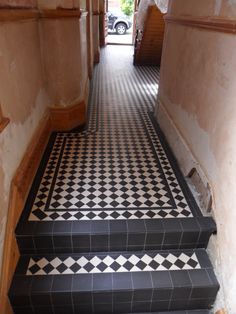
{"x": 62, "y": 283}
{"x": 199, "y": 278}
{"x": 190, "y": 237}
{"x": 207, "y": 224}
{"x": 200, "y": 304}
{"x": 122, "y": 281}
{"x": 24, "y": 229}
{"x": 141, "y": 306}
{"x": 81, "y": 298}
{"x": 41, "y": 284}
{"x": 22, "y": 265}
{"x": 142, "y": 295}
{"x": 190, "y": 224}
{"x": 122, "y": 308}
{"x": 62, "y": 241}
{"x": 161, "y": 279}
{"x": 44, "y": 310}
{"x": 81, "y": 227}
{"x": 202, "y": 293}
{"x": 83, "y": 308}
{"x": 181, "y": 293}
{"x": 118, "y": 226}
{"x": 141, "y": 280}
{"x": 154, "y": 225}
{"x": 19, "y": 293}
{"x": 43, "y": 242}
{"x": 82, "y": 282}
{"x": 64, "y": 310}
{"x": 179, "y": 304}
{"x": 81, "y": 241}
{"x": 136, "y": 239}
{"x": 172, "y": 225}
{"x": 61, "y": 298}
{"x": 203, "y": 259}
{"x": 180, "y": 278}
{"x": 212, "y": 277}
{"x": 160, "y": 306}
{"x": 172, "y": 238}
{"x": 41, "y": 299}
{"x": 102, "y": 298}
{"x": 44, "y": 228}
{"x": 118, "y": 242}
{"x": 154, "y": 239}
{"x": 204, "y": 238}
{"x": 23, "y": 310}
{"x": 102, "y": 282}
{"x": 122, "y": 296}
{"x": 99, "y": 242}
{"x": 136, "y": 226}
{"x": 25, "y": 242}
{"x": 100, "y": 227}
{"x": 62, "y": 227}
{"x": 162, "y": 294}
{"x": 103, "y": 308}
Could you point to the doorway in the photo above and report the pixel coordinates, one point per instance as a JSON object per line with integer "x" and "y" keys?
{"x": 120, "y": 22}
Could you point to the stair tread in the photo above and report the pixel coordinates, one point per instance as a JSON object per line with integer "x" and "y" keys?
{"x": 195, "y": 263}
{"x": 179, "y": 277}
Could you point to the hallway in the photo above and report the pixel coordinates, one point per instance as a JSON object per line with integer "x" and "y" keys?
{"x": 110, "y": 220}
{"x": 117, "y": 168}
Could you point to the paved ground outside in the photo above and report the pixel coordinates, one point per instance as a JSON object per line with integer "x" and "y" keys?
{"x": 113, "y": 38}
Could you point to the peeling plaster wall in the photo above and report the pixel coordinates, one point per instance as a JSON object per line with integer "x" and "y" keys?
{"x": 198, "y": 90}
{"x": 23, "y": 99}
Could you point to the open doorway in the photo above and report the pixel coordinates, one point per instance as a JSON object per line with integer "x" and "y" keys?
{"x": 120, "y": 22}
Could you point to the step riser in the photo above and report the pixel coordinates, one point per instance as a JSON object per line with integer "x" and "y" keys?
{"x": 115, "y": 302}
{"x": 105, "y": 243}
{"x": 115, "y": 236}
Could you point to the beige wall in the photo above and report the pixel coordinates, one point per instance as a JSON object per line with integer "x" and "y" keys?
{"x": 197, "y": 94}
{"x": 43, "y": 63}
{"x": 64, "y": 49}
{"x": 23, "y": 99}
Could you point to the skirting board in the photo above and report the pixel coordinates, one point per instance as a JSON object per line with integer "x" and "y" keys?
{"x": 67, "y": 118}
{"x": 182, "y": 152}
{"x": 20, "y": 186}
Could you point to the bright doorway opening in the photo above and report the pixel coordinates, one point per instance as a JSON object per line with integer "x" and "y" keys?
{"x": 120, "y": 20}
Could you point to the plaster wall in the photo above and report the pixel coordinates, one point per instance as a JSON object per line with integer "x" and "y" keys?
{"x": 198, "y": 91}
{"x": 64, "y": 48}
{"x": 18, "y": 3}
{"x": 23, "y": 99}
{"x": 54, "y": 4}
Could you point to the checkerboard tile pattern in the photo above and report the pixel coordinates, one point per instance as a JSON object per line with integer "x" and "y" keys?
{"x": 112, "y": 264}
{"x": 117, "y": 168}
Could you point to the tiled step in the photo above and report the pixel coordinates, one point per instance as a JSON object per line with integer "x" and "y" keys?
{"x": 113, "y": 235}
{"x": 182, "y": 312}
{"x": 121, "y": 282}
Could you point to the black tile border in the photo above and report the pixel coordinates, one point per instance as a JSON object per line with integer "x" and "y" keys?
{"x": 175, "y": 166}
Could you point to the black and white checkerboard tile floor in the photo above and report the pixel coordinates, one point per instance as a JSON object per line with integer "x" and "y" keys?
{"x": 117, "y": 168}
{"x": 119, "y": 263}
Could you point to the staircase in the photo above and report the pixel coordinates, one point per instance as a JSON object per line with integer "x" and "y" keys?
{"x": 110, "y": 225}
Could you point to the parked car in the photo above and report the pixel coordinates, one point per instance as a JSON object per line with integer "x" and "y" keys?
{"x": 118, "y": 23}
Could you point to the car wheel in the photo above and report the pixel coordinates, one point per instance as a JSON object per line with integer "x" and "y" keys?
{"x": 121, "y": 28}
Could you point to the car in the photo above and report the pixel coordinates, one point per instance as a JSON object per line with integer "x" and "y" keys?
{"x": 118, "y": 23}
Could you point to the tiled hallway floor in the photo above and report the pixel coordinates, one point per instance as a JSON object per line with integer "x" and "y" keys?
{"x": 120, "y": 167}
{"x": 110, "y": 225}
